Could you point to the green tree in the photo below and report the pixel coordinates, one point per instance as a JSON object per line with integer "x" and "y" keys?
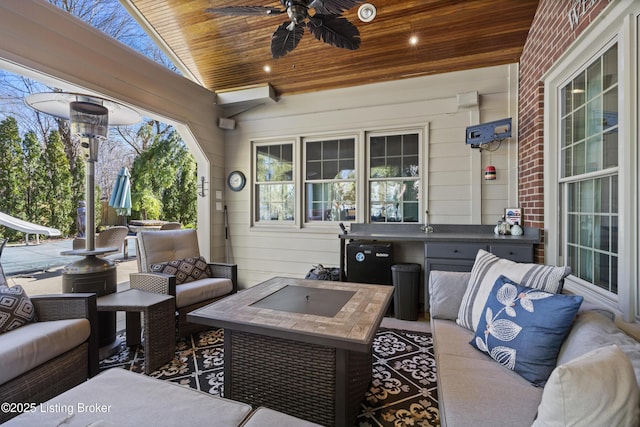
{"x": 163, "y": 180}
{"x": 12, "y": 174}
{"x": 78, "y": 188}
{"x": 147, "y": 204}
{"x": 98, "y": 206}
{"x": 59, "y": 210}
{"x": 179, "y": 200}
{"x": 35, "y": 177}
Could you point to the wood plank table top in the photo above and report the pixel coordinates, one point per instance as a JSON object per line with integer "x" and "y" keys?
{"x": 262, "y": 309}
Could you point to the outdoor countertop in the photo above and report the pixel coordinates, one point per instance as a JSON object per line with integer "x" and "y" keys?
{"x": 441, "y": 233}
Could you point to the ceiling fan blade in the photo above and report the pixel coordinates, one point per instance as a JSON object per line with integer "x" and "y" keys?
{"x": 335, "y": 30}
{"x": 284, "y": 40}
{"x": 245, "y": 10}
{"x": 333, "y": 7}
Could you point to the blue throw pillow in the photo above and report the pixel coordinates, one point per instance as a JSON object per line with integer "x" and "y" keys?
{"x": 523, "y": 328}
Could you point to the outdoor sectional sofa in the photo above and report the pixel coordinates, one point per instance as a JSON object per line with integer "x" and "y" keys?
{"x": 595, "y": 376}
{"x": 42, "y": 359}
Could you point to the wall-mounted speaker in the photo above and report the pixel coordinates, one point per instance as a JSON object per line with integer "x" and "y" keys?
{"x": 228, "y": 124}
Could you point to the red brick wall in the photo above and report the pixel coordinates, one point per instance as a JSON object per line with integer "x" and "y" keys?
{"x": 550, "y": 35}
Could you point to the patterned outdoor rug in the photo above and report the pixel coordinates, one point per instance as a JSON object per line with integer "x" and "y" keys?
{"x": 403, "y": 390}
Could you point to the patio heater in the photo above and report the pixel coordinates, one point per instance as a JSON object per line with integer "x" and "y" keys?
{"x": 89, "y": 125}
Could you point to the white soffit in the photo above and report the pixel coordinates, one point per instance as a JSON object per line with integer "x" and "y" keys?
{"x": 236, "y": 101}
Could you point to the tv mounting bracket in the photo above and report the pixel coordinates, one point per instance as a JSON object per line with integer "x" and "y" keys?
{"x": 488, "y": 132}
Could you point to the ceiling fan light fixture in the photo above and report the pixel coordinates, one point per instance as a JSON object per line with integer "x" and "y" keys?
{"x": 367, "y": 12}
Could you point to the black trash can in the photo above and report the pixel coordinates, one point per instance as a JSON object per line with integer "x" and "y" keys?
{"x": 406, "y": 280}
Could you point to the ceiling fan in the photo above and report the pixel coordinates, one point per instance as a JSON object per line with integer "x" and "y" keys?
{"x": 324, "y": 22}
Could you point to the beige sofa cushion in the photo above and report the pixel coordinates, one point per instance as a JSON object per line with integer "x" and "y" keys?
{"x": 154, "y": 247}
{"x": 476, "y": 392}
{"x": 33, "y": 344}
{"x": 202, "y": 290}
{"x": 130, "y": 399}
{"x": 473, "y": 390}
{"x": 595, "y": 389}
{"x": 454, "y": 340}
{"x": 446, "y": 290}
{"x": 593, "y": 329}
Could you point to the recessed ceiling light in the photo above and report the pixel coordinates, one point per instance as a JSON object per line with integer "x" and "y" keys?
{"x": 366, "y": 12}
{"x": 267, "y": 68}
{"x": 413, "y": 40}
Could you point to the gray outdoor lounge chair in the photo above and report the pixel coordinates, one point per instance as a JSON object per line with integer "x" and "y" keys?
{"x": 165, "y": 258}
{"x": 110, "y": 238}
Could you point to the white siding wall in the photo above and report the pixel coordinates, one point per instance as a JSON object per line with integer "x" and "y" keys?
{"x": 456, "y": 191}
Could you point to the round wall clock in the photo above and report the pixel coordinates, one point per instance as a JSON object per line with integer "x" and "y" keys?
{"x": 236, "y": 181}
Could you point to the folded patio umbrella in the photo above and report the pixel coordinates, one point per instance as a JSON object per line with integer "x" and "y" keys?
{"x": 121, "y": 194}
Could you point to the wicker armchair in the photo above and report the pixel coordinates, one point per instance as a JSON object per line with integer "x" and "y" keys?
{"x": 67, "y": 369}
{"x": 156, "y": 247}
{"x": 110, "y": 238}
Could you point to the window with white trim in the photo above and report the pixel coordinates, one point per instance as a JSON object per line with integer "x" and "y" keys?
{"x": 327, "y": 190}
{"x": 589, "y": 171}
{"x": 274, "y": 182}
{"x": 394, "y": 176}
{"x": 591, "y": 160}
{"x": 330, "y": 180}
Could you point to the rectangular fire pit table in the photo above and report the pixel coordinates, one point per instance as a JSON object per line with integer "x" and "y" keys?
{"x": 302, "y": 347}
{"x": 159, "y": 315}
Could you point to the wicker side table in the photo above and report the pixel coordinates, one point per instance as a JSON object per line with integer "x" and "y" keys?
{"x": 159, "y": 323}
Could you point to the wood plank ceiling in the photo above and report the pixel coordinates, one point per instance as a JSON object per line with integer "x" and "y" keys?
{"x": 228, "y": 52}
